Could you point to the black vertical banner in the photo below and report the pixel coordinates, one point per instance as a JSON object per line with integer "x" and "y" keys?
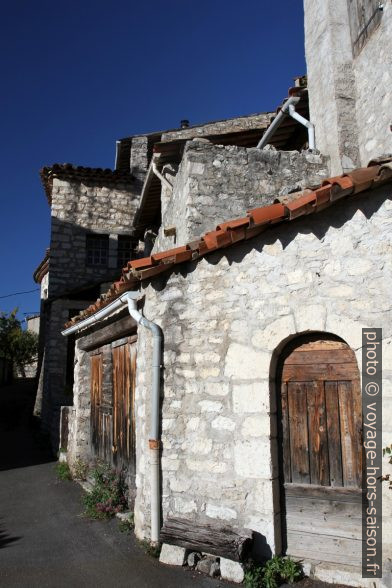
{"x": 372, "y": 452}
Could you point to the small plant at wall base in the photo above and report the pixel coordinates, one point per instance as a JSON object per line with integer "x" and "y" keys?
{"x": 127, "y": 525}
{"x": 276, "y": 571}
{"x": 151, "y": 549}
{"x": 62, "y": 470}
{"x": 80, "y": 469}
{"x": 108, "y": 494}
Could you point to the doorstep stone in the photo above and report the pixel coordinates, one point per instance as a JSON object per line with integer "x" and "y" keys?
{"x": 172, "y": 555}
{"x": 231, "y": 570}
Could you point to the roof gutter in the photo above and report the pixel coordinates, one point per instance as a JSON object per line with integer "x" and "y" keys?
{"x": 101, "y": 314}
{"x": 130, "y": 300}
{"x": 288, "y": 109}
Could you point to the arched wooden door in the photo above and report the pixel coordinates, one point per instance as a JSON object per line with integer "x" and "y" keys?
{"x": 321, "y": 451}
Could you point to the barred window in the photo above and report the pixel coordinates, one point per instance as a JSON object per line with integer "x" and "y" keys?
{"x": 365, "y": 16}
{"x": 125, "y": 249}
{"x": 97, "y": 250}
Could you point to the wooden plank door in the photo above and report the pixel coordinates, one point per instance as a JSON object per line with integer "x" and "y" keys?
{"x": 96, "y": 400}
{"x": 124, "y": 370}
{"x": 321, "y": 452}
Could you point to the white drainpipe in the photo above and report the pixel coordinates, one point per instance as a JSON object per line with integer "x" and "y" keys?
{"x": 130, "y": 299}
{"x": 288, "y": 108}
{"x": 154, "y": 442}
{"x": 310, "y": 126}
{"x": 161, "y": 176}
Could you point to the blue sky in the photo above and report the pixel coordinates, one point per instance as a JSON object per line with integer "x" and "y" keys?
{"x": 76, "y": 76}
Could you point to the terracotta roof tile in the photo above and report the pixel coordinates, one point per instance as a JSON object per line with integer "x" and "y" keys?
{"x": 140, "y": 263}
{"x": 171, "y": 254}
{"x": 303, "y": 205}
{"x": 267, "y": 214}
{"x": 363, "y": 178}
{"x": 256, "y": 221}
{"x": 234, "y": 224}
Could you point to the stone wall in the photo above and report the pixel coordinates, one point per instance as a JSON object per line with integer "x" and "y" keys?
{"x": 373, "y": 73}
{"x": 216, "y": 184}
{"x": 79, "y": 437}
{"x": 348, "y": 96}
{"x": 224, "y": 321}
{"x": 53, "y": 391}
{"x": 79, "y": 208}
{"x": 221, "y": 127}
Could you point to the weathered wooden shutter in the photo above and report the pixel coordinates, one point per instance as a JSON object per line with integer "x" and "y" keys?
{"x": 124, "y": 369}
{"x": 96, "y": 400}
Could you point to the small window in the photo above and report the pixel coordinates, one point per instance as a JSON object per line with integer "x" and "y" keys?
{"x": 97, "y": 250}
{"x": 365, "y": 16}
{"x": 125, "y": 249}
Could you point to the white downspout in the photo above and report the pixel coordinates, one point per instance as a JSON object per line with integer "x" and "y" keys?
{"x": 130, "y": 299}
{"x": 154, "y": 442}
{"x": 160, "y": 176}
{"x": 288, "y": 108}
{"x": 310, "y": 126}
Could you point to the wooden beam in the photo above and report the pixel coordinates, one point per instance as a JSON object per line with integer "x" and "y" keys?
{"x": 106, "y": 334}
{"x": 210, "y": 538}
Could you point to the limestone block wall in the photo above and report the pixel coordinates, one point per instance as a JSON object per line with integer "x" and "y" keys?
{"x": 224, "y": 321}
{"x": 331, "y": 82}
{"x": 373, "y": 74}
{"x": 79, "y": 208}
{"x": 79, "y": 438}
{"x": 216, "y": 183}
{"x": 220, "y": 127}
{"x": 349, "y": 95}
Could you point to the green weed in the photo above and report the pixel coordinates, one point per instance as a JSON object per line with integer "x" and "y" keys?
{"x": 127, "y": 525}
{"x": 62, "y": 470}
{"x": 276, "y": 571}
{"x": 151, "y": 549}
{"x": 108, "y": 494}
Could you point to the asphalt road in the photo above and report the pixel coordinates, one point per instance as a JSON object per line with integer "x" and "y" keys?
{"x": 44, "y": 539}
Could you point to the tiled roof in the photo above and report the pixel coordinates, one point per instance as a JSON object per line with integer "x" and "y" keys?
{"x": 67, "y": 171}
{"x": 256, "y": 221}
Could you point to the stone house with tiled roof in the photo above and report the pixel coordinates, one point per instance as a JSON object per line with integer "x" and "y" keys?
{"x": 100, "y": 219}
{"x": 222, "y": 368}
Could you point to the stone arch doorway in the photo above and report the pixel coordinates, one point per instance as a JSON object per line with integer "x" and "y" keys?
{"x": 320, "y": 447}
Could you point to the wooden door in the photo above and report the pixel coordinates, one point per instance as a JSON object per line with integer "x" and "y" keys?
{"x": 124, "y": 370}
{"x": 96, "y": 400}
{"x": 321, "y": 452}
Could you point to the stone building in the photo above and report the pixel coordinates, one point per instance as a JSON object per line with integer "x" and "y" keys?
{"x": 222, "y": 369}
{"x": 348, "y": 45}
{"x": 91, "y": 215}
{"x": 94, "y": 232}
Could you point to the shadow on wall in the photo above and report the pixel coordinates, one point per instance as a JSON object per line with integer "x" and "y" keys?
{"x": 82, "y": 257}
{"x": 316, "y": 224}
{"x": 261, "y": 551}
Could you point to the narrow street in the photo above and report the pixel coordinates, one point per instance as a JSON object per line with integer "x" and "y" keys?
{"x": 44, "y": 539}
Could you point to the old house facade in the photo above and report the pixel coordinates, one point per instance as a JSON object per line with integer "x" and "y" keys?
{"x": 95, "y": 231}
{"x": 223, "y": 368}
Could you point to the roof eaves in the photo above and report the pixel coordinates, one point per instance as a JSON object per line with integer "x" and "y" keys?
{"x": 256, "y": 221}
{"x": 68, "y": 171}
